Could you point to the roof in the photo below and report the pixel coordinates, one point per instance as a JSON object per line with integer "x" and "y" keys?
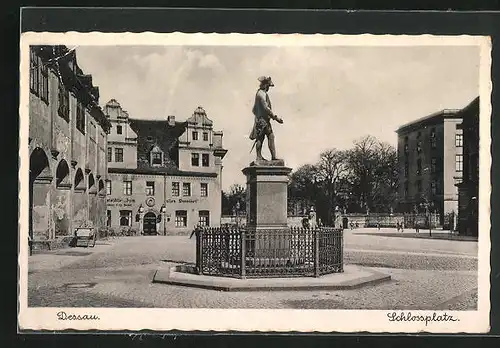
{"x": 200, "y": 117}
{"x": 440, "y": 115}
{"x": 160, "y": 171}
{"x": 430, "y": 119}
{"x": 64, "y": 63}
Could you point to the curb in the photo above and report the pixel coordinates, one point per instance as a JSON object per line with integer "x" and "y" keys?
{"x": 173, "y": 277}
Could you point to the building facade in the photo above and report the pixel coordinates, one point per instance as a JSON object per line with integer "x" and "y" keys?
{"x": 430, "y": 163}
{"x": 468, "y": 188}
{"x": 165, "y": 176}
{"x": 67, "y": 144}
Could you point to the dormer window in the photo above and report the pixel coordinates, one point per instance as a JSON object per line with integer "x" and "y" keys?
{"x": 156, "y": 158}
{"x": 119, "y": 129}
{"x": 195, "y": 135}
{"x": 205, "y": 136}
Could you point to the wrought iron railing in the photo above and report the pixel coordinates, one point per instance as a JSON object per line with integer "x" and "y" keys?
{"x": 289, "y": 252}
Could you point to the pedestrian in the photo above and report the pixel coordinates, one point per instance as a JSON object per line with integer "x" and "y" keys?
{"x": 402, "y": 226}
{"x": 378, "y": 225}
{"x": 397, "y": 225}
{"x": 417, "y": 228}
{"x": 305, "y": 223}
{"x": 30, "y": 244}
{"x": 194, "y": 232}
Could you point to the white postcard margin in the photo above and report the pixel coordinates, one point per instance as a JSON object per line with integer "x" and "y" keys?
{"x": 264, "y": 320}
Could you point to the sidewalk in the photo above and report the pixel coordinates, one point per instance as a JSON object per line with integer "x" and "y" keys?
{"x": 410, "y": 233}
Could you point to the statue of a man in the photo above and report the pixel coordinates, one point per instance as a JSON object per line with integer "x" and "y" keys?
{"x": 263, "y": 114}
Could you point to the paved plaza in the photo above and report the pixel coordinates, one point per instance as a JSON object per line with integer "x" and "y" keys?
{"x": 433, "y": 274}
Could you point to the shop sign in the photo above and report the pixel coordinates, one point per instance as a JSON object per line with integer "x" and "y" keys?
{"x": 120, "y": 202}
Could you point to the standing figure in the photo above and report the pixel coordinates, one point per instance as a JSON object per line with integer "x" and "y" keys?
{"x": 263, "y": 114}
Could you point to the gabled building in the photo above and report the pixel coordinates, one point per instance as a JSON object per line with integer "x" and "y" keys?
{"x": 67, "y": 144}
{"x": 164, "y": 175}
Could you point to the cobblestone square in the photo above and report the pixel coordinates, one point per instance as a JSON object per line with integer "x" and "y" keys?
{"x": 427, "y": 274}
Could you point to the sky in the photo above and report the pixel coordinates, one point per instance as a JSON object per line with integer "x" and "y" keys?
{"x": 327, "y": 96}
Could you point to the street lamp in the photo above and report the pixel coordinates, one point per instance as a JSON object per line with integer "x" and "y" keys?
{"x": 163, "y": 210}
{"x": 237, "y": 208}
{"x": 427, "y": 207}
{"x": 141, "y": 211}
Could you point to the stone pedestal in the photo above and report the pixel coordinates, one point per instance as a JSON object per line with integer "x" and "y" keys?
{"x": 267, "y": 184}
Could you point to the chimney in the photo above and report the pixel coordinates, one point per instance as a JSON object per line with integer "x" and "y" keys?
{"x": 171, "y": 120}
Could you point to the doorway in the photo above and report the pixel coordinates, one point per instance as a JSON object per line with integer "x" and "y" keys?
{"x": 149, "y": 224}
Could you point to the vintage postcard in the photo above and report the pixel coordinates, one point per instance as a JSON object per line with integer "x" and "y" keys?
{"x": 310, "y": 183}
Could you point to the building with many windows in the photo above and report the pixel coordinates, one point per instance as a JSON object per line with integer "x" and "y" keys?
{"x": 164, "y": 175}
{"x": 468, "y": 188}
{"x": 430, "y": 161}
{"x": 67, "y": 144}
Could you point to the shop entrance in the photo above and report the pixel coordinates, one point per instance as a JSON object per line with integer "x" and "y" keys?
{"x": 149, "y": 224}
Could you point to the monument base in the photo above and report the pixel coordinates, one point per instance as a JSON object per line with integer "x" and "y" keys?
{"x": 268, "y": 232}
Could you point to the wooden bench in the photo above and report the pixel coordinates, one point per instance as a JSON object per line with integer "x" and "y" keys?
{"x": 85, "y": 236}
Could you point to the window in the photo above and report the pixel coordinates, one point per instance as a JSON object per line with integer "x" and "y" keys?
{"x": 108, "y": 218}
{"x": 459, "y": 139}
{"x": 195, "y": 159}
{"x": 119, "y": 129}
{"x": 127, "y": 188}
{"x": 156, "y": 158}
{"x": 108, "y": 187}
{"x": 195, "y": 135}
{"x": 181, "y": 218}
{"x": 419, "y": 166}
{"x": 433, "y": 187}
{"x": 125, "y": 217}
{"x": 44, "y": 83}
{"x": 205, "y": 160}
{"x": 204, "y": 218}
{"x": 110, "y": 154}
{"x": 119, "y": 154}
{"x": 406, "y": 170}
{"x": 205, "y": 136}
{"x": 419, "y": 185}
{"x": 175, "y": 189}
{"x": 34, "y": 71}
{"x": 433, "y": 165}
{"x": 419, "y": 146}
{"x": 433, "y": 138}
{"x": 63, "y": 102}
{"x": 406, "y": 189}
{"x": 150, "y": 188}
{"x": 204, "y": 189}
{"x": 80, "y": 118}
{"x": 186, "y": 189}
{"x": 459, "y": 163}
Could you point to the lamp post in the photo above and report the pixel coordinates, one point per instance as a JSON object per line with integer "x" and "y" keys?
{"x": 163, "y": 210}
{"x": 141, "y": 211}
{"x": 237, "y": 208}
{"x": 427, "y": 207}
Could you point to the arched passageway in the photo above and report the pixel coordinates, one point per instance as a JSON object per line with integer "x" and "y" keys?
{"x": 40, "y": 178}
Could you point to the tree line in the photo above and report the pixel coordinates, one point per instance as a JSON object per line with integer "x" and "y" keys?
{"x": 361, "y": 179}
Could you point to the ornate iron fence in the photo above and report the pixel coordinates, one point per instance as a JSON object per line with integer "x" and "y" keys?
{"x": 290, "y": 252}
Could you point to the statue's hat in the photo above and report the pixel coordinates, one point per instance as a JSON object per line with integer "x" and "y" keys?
{"x": 266, "y": 79}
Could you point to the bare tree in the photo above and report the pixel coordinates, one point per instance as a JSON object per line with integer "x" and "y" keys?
{"x": 332, "y": 166}
{"x": 373, "y": 172}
